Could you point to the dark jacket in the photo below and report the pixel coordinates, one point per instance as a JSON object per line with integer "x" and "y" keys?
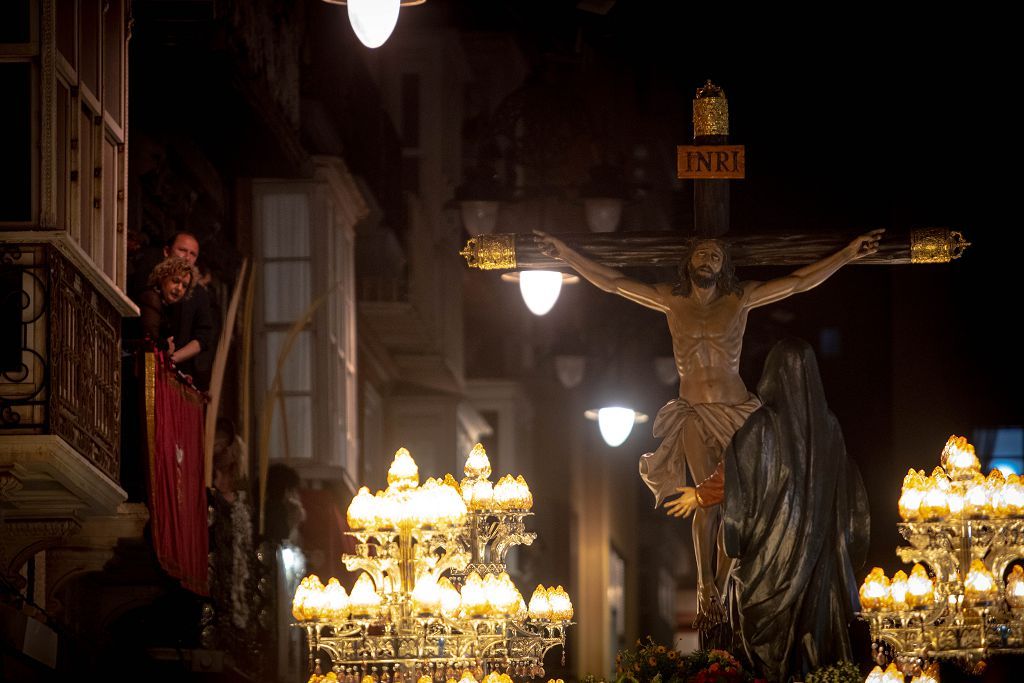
{"x": 186, "y": 320}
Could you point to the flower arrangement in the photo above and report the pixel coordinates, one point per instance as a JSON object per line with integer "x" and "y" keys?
{"x": 841, "y": 672}
{"x": 714, "y": 666}
{"x": 654, "y": 663}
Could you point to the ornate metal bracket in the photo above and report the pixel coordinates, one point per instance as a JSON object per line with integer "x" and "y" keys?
{"x": 936, "y": 245}
{"x": 490, "y": 252}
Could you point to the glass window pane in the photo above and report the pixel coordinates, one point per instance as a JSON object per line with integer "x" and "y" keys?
{"x": 85, "y": 172}
{"x": 350, "y": 303}
{"x": 296, "y": 374}
{"x": 299, "y": 425}
{"x": 108, "y": 206}
{"x": 90, "y": 45}
{"x": 66, "y": 31}
{"x": 16, "y": 141}
{"x": 286, "y": 225}
{"x": 286, "y": 290}
{"x": 14, "y": 21}
{"x": 113, "y": 44}
{"x": 62, "y": 144}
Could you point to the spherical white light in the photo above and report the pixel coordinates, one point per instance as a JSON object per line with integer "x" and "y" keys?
{"x": 615, "y": 424}
{"x": 540, "y": 289}
{"x": 665, "y": 369}
{"x": 570, "y": 369}
{"x": 373, "y": 20}
{"x": 479, "y": 216}
{"x": 603, "y": 213}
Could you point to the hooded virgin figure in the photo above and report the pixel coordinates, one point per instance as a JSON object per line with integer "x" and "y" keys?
{"x": 795, "y": 523}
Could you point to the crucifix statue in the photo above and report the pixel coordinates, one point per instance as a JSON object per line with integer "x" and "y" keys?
{"x": 706, "y": 311}
{"x": 777, "y": 575}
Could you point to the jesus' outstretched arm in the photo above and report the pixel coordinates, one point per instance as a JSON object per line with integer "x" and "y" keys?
{"x": 814, "y": 274}
{"x": 602, "y": 277}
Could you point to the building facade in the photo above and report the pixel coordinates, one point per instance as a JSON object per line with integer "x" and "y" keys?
{"x": 318, "y": 179}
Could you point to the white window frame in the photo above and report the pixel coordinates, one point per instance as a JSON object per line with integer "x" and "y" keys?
{"x": 332, "y": 327}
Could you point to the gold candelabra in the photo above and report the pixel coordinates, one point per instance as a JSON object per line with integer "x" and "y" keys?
{"x": 964, "y": 530}
{"x": 433, "y": 601}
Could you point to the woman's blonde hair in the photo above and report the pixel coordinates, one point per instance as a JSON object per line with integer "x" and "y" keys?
{"x": 171, "y": 266}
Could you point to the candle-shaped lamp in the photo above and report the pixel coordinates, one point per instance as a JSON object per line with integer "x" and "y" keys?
{"x": 335, "y": 602}
{"x": 561, "y": 605}
{"x": 874, "y": 592}
{"x": 979, "y": 586}
{"x": 362, "y": 511}
{"x": 898, "y": 591}
{"x": 451, "y": 599}
{"x": 1013, "y": 497}
{"x": 920, "y": 589}
{"x": 426, "y": 596}
{"x": 403, "y": 473}
{"x": 910, "y": 496}
{"x": 478, "y": 466}
{"x": 363, "y": 600}
{"x": 540, "y": 608}
{"x": 959, "y": 458}
{"x": 892, "y": 675}
{"x": 474, "y": 597}
{"x": 933, "y": 504}
{"x": 1015, "y": 587}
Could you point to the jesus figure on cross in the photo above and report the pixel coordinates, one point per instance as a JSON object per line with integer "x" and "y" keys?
{"x": 707, "y": 315}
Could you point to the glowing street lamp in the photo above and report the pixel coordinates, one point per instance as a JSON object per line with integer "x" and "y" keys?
{"x": 616, "y": 423}
{"x": 540, "y": 288}
{"x": 374, "y": 20}
{"x": 479, "y": 215}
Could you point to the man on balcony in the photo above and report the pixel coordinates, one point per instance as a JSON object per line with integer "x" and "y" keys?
{"x": 195, "y": 319}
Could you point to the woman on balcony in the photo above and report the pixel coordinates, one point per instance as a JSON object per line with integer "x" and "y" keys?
{"x": 166, "y": 317}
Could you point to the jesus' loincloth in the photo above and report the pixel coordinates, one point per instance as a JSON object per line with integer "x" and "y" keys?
{"x": 696, "y": 433}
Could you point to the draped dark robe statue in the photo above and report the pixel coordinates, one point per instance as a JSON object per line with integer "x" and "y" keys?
{"x": 796, "y": 522}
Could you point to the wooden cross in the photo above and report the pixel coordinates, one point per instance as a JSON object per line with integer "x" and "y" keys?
{"x": 710, "y": 162}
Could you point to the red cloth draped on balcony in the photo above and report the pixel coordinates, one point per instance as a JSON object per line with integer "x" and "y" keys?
{"x": 177, "y": 496}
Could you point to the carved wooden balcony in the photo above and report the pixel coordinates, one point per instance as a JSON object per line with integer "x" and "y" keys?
{"x": 60, "y": 389}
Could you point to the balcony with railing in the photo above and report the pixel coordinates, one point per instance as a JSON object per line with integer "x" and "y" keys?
{"x": 59, "y": 400}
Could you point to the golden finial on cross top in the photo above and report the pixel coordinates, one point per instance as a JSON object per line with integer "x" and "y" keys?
{"x": 710, "y": 111}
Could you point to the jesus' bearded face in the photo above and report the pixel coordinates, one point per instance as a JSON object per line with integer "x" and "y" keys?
{"x": 705, "y": 266}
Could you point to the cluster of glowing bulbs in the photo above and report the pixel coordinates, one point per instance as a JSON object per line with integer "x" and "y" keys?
{"x": 878, "y": 593}
{"x": 492, "y": 596}
{"x": 894, "y": 675}
{"x": 957, "y": 488}
{"x": 437, "y": 504}
{"x": 466, "y": 676}
{"x": 916, "y": 591}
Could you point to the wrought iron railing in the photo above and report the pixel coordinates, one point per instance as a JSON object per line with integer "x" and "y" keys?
{"x": 64, "y": 376}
